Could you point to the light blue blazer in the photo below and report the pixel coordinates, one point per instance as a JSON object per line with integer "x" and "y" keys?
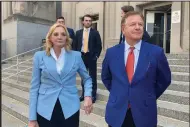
{"x": 47, "y": 85}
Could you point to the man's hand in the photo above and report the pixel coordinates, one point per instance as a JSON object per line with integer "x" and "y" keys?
{"x": 88, "y": 105}
{"x": 33, "y": 123}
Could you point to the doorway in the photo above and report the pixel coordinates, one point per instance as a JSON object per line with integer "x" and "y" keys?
{"x": 158, "y": 25}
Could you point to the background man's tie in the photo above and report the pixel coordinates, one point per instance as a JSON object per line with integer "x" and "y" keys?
{"x": 85, "y": 48}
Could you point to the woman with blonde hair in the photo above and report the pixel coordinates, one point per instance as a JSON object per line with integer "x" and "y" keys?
{"x": 54, "y": 100}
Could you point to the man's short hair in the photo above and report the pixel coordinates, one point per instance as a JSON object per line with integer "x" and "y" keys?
{"x": 123, "y": 20}
{"x": 127, "y": 8}
{"x": 87, "y": 15}
{"x": 61, "y": 17}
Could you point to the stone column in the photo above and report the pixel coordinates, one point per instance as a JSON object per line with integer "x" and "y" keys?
{"x": 67, "y": 12}
{"x": 73, "y": 17}
{"x": 17, "y": 7}
{"x": 118, "y": 20}
{"x": 106, "y": 30}
{"x": 185, "y": 32}
{"x": 5, "y": 12}
{"x": 175, "y": 45}
{"x": 9, "y": 11}
{"x": 112, "y": 19}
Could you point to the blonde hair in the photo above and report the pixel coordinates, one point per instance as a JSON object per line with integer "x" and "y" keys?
{"x": 48, "y": 44}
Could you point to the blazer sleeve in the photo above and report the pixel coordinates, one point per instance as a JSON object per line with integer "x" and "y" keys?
{"x": 87, "y": 81}
{"x": 106, "y": 74}
{"x": 163, "y": 75}
{"x": 35, "y": 84}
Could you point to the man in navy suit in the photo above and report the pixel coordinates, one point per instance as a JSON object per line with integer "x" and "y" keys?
{"x": 61, "y": 20}
{"x": 124, "y": 10}
{"x": 136, "y": 73}
{"x": 89, "y": 43}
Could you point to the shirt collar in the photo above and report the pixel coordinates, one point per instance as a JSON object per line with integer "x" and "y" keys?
{"x": 87, "y": 28}
{"x": 52, "y": 52}
{"x": 137, "y": 45}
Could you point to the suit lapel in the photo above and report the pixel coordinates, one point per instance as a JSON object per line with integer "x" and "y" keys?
{"x": 68, "y": 64}
{"x": 121, "y": 61}
{"x": 90, "y": 34}
{"x": 81, "y": 39}
{"x": 142, "y": 65}
{"x": 50, "y": 63}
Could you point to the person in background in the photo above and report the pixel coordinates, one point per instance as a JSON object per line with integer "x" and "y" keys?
{"x": 54, "y": 100}
{"x": 124, "y": 10}
{"x": 61, "y": 20}
{"x": 136, "y": 74}
{"x": 88, "y": 42}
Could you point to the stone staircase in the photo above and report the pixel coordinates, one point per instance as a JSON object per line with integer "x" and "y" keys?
{"x": 173, "y": 105}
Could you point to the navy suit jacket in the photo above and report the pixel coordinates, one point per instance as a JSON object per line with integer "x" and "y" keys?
{"x": 94, "y": 42}
{"x": 152, "y": 77}
{"x": 72, "y": 36}
{"x": 145, "y": 37}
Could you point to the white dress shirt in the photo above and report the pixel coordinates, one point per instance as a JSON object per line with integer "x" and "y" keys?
{"x": 83, "y": 37}
{"x": 60, "y": 60}
{"x": 136, "y": 52}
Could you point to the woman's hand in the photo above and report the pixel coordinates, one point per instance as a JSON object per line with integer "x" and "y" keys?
{"x": 33, "y": 123}
{"x": 88, "y": 105}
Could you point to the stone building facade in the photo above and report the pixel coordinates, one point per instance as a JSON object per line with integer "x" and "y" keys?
{"x": 25, "y": 24}
{"x": 166, "y": 22}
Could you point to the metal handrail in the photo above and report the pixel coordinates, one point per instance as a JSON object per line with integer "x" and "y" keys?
{"x": 16, "y": 64}
{"x": 18, "y": 72}
{"x": 21, "y": 54}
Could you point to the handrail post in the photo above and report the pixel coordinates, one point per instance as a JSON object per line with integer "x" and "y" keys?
{"x": 17, "y": 70}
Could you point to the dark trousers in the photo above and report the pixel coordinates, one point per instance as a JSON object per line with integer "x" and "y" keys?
{"x": 58, "y": 119}
{"x": 128, "y": 122}
{"x": 91, "y": 66}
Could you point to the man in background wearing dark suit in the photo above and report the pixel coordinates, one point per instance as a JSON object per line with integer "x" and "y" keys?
{"x": 88, "y": 42}
{"x": 124, "y": 10}
{"x": 61, "y": 20}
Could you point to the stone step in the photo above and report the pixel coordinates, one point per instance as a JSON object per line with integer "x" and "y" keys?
{"x": 20, "y": 61}
{"x": 177, "y": 68}
{"x": 180, "y": 76}
{"x": 14, "y": 61}
{"x": 173, "y": 68}
{"x": 165, "y": 108}
{"x": 169, "y": 56}
{"x": 24, "y": 86}
{"x": 172, "y": 61}
{"x": 20, "y": 67}
{"x": 176, "y": 76}
{"x": 169, "y": 95}
{"x": 173, "y": 86}
{"x": 27, "y": 72}
{"x": 177, "y": 56}
{"x": 20, "y": 111}
{"x": 183, "y": 62}
{"x": 10, "y": 121}
{"x": 13, "y": 72}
